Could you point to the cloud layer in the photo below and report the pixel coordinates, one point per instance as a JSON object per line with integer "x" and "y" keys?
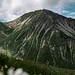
{"x": 11, "y": 9}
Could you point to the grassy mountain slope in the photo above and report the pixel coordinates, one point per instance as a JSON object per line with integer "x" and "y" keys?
{"x": 4, "y": 32}
{"x": 33, "y": 68}
{"x": 45, "y": 37}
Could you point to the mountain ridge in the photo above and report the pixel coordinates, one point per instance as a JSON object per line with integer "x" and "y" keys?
{"x": 26, "y": 14}
{"x": 45, "y": 37}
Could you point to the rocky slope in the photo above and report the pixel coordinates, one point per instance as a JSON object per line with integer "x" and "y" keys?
{"x": 43, "y": 36}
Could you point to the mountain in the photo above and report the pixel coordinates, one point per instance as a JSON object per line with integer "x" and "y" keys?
{"x": 4, "y": 32}
{"x": 43, "y": 36}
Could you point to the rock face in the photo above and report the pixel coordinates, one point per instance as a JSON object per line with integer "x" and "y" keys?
{"x": 43, "y": 36}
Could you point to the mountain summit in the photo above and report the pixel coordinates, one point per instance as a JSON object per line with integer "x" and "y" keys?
{"x": 43, "y": 36}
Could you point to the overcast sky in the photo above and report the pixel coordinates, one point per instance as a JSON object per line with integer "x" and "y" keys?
{"x": 11, "y": 9}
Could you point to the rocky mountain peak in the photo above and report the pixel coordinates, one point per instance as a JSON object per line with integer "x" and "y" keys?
{"x": 43, "y": 36}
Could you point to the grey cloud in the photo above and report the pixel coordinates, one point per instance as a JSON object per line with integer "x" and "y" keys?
{"x": 51, "y": 2}
{"x": 11, "y": 9}
{"x": 1, "y": 2}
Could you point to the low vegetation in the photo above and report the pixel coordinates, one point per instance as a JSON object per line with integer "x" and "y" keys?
{"x": 33, "y": 68}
